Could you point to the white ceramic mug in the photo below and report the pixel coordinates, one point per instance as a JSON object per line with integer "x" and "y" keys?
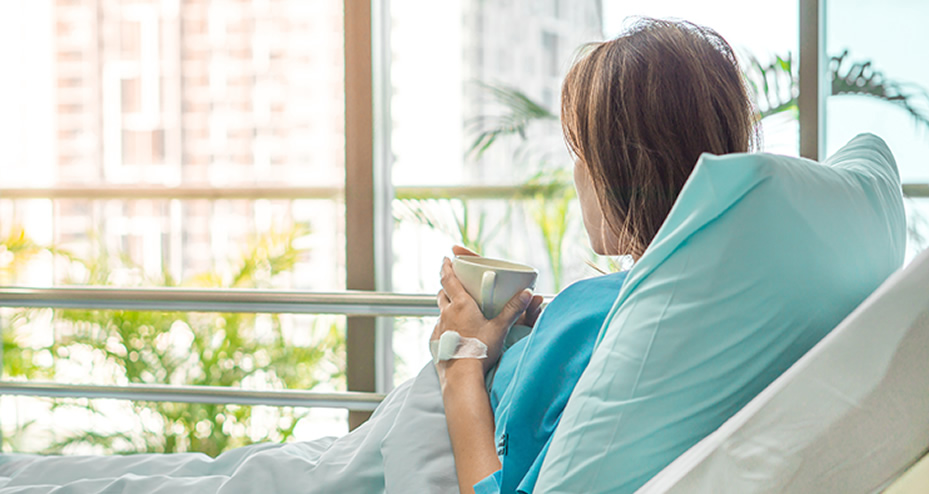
{"x": 493, "y": 282}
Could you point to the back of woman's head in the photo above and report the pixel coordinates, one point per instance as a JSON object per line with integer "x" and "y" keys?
{"x": 639, "y": 110}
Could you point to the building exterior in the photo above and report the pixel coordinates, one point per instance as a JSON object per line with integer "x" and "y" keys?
{"x": 201, "y": 93}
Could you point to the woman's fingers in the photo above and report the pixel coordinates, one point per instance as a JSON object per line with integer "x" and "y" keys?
{"x": 451, "y": 285}
{"x": 463, "y": 251}
{"x": 534, "y": 309}
{"x": 513, "y": 309}
{"x": 442, "y": 300}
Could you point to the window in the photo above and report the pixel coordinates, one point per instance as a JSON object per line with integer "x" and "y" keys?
{"x": 212, "y": 146}
{"x": 237, "y": 107}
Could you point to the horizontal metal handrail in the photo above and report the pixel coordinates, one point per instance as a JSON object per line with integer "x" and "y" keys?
{"x": 518, "y": 191}
{"x": 163, "y": 192}
{"x": 104, "y": 192}
{"x": 354, "y": 401}
{"x": 357, "y": 303}
{"x": 916, "y": 190}
{"x": 352, "y": 303}
{"x": 188, "y": 192}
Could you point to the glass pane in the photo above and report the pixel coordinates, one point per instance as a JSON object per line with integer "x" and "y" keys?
{"x": 250, "y": 351}
{"x": 486, "y": 62}
{"x": 481, "y": 53}
{"x": 202, "y": 95}
{"x": 879, "y": 64}
{"x": 284, "y": 244}
{"x": 151, "y": 93}
{"x": 411, "y": 352}
{"x": 917, "y": 220}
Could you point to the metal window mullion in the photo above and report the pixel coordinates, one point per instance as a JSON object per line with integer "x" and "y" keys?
{"x": 811, "y": 102}
{"x": 382, "y": 162}
{"x": 360, "y": 190}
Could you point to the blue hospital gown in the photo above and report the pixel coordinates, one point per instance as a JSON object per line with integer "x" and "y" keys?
{"x": 536, "y": 375}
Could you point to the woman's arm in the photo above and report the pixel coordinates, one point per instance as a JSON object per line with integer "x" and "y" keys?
{"x": 470, "y": 422}
{"x": 467, "y": 406}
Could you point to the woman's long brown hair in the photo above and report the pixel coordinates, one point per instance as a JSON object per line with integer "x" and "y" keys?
{"x": 639, "y": 110}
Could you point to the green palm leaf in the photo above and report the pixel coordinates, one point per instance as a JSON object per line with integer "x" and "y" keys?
{"x": 521, "y": 111}
{"x": 860, "y": 79}
{"x": 776, "y": 85}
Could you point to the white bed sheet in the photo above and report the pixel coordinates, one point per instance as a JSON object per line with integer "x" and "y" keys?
{"x": 403, "y": 448}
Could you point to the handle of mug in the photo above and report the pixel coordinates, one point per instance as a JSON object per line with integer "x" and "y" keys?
{"x": 487, "y": 293}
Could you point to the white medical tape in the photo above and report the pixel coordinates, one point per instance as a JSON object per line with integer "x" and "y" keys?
{"x": 452, "y": 345}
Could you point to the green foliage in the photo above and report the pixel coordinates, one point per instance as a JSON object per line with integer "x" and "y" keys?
{"x": 19, "y": 359}
{"x": 16, "y": 250}
{"x": 521, "y": 112}
{"x": 776, "y": 86}
{"x": 860, "y": 79}
{"x": 461, "y": 220}
{"x": 185, "y": 348}
{"x": 546, "y": 195}
{"x": 551, "y": 213}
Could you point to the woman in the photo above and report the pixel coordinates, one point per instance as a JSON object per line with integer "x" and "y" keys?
{"x": 637, "y": 112}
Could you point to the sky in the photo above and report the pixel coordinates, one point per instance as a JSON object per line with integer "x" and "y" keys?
{"x": 762, "y": 28}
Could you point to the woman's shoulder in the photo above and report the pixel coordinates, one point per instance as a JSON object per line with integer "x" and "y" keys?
{"x": 598, "y": 285}
{"x": 584, "y": 299}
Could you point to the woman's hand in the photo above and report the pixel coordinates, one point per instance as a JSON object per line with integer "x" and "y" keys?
{"x": 467, "y": 406}
{"x": 459, "y": 312}
{"x": 527, "y": 318}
